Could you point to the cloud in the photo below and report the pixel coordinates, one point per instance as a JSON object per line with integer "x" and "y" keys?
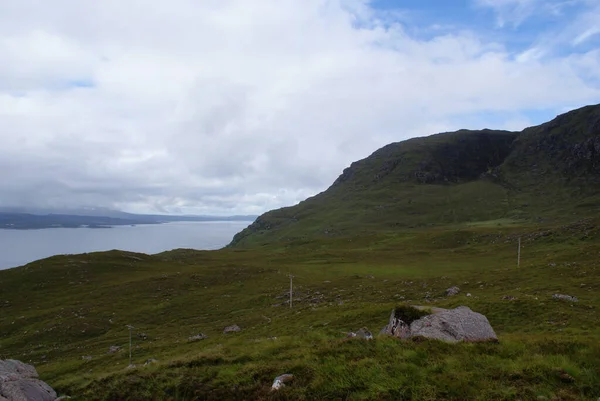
{"x": 232, "y": 106}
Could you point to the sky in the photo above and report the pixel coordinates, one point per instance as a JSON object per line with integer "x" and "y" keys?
{"x": 238, "y": 107}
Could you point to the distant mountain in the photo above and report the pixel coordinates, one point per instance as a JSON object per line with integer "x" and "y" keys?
{"x": 24, "y": 218}
{"x": 549, "y": 172}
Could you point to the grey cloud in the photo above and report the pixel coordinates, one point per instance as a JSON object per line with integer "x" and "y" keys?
{"x": 232, "y": 106}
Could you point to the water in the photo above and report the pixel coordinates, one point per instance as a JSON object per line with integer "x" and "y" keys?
{"x": 19, "y": 247}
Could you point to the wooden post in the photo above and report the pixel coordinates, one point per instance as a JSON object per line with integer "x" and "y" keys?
{"x": 130, "y": 328}
{"x": 291, "y": 289}
{"x": 519, "y": 254}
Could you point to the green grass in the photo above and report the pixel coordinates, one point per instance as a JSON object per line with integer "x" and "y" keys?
{"x": 55, "y": 311}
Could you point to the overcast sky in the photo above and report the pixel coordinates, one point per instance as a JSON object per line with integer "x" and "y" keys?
{"x": 239, "y": 106}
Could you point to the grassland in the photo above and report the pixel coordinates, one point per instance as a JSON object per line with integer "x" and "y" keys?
{"x": 57, "y": 311}
{"x": 398, "y": 227}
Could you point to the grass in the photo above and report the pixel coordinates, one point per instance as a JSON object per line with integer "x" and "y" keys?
{"x": 58, "y": 310}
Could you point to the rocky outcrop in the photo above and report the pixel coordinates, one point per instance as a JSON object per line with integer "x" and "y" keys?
{"x": 451, "y": 325}
{"x": 20, "y": 382}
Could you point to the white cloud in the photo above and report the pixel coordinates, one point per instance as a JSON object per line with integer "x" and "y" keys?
{"x": 232, "y": 106}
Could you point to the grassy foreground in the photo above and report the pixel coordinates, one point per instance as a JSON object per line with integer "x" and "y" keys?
{"x": 62, "y": 314}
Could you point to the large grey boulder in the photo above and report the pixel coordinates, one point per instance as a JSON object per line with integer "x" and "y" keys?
{"x": 451, "y": 325}
{"x": 19, "y": 382}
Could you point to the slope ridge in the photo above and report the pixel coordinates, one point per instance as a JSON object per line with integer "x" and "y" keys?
{"x": 549, "y": 171}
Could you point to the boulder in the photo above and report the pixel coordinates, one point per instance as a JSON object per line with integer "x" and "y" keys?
{"x": 19, "y": 382}
{"x": 453, "y": 325}
{"x": 232, "y": 329}
{"x": 452, "y": 291}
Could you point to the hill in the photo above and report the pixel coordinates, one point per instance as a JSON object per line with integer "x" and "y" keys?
{"x": 548, "y": 172}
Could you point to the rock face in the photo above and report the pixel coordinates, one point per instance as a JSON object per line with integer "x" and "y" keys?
{"x": 19, "y": 382}
{"x": 451, "y": 325}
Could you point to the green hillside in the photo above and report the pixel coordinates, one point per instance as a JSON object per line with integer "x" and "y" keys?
{"x": 549, "y": 172}
{"x": 397, "y": 228}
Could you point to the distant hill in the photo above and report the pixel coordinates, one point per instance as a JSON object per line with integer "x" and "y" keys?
{"x": 549, "y": 172}
{"x": 22, "y": 218}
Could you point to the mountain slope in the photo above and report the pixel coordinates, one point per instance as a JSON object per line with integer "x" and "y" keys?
{"x": 551, "y": 171}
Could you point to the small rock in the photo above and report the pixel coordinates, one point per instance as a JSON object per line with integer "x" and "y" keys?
{"x": 232, "y": 329}
{"x": 369, "y": 276}
{"x": 150, "y": 361}
{"x": 86, "y": 358}
{"x": 198, "y": 337}
{"x": 113, "y": 349}
{"x": 508, "y": 298}
{"x": 566, "y": 378}
{"x": 280, "y": 381}
{"x": 452, "y": 291}
{"x": 468, "y": 294}
{"x": 364, "y": 333}
{"x": 564, "y": 297}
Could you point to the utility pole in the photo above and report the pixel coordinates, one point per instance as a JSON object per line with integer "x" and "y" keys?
{"x": 130, "y": 328}
{"x": 291, "y": 289}
{"x": 519, "y": 254}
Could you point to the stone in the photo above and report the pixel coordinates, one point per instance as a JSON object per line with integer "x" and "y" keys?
{"x": 232, "y": 329}
{"x": 452, "y": 291}
{"x": 113, "y": 349}
{"x": 280, "y": 381}
{"x": 563, "y": 297}
{"x": 364, "y": 334}
{"x": 508, "y": 298}
{"x": 198, "y": 337}
{"x": 396, "y": 327}
{"x": 19, "y": 382}
{"x": 150, "y": 361}
{"x": 453, "y": 325}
